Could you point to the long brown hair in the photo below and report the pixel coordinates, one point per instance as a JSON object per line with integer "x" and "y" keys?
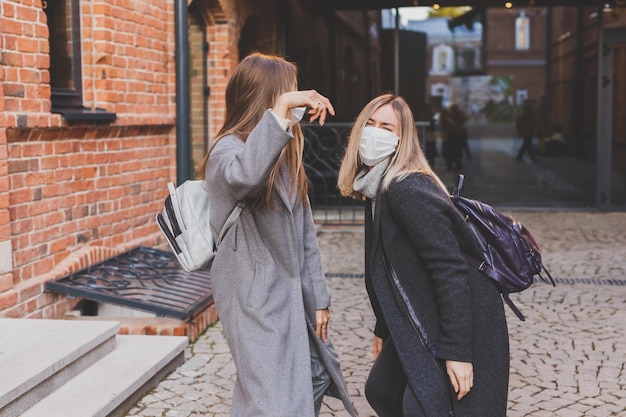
{"x": 254, "y": 87}
{"x": 408, "y": 158}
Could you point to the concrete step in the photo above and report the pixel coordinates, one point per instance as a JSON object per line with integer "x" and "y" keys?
{"x": 39, "y": 356}
{"x": 79, "y": 368}
{"x": 111, "y": 385}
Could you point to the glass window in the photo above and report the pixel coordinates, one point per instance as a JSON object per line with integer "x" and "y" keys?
{"x": 522, "y": 32}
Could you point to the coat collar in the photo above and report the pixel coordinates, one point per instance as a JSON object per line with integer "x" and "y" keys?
{"x": 283, "y": 185}
{"x": 375, "y": 221}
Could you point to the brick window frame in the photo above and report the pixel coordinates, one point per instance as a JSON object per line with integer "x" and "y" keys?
{"x": 65, "y": 49}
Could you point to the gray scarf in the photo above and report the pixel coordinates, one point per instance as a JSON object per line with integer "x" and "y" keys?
{"x": 368, "y": 181}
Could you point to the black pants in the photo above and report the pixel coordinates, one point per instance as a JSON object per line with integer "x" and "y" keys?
{"x": 527, "y": 147}
{"x": 386, "y": 388}
{"x": 452, "y": 150}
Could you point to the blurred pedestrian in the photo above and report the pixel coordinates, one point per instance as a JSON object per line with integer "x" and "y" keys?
{"x": 456, "y": 360}
{"x": 452, "y": 122}
{"x": 430, "y": 115}
{"x": 267, "y": 280}
{"x": 526, "y": 127}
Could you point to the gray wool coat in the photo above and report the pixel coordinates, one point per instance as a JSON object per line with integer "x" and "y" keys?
{"x": 424, "y": 237}
{"x": 267, "y": 280}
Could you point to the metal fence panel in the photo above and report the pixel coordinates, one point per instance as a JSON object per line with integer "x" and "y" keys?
{"x": 323, "y": 151}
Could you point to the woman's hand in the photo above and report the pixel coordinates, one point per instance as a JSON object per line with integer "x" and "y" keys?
{"x": 321, "y": 324}
{"x": 461, "y": 376}
{"x": 377, "y": 345}
{"x": 319, "y": 105}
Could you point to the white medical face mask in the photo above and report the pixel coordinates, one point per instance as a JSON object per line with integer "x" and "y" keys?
{"x": 376, "y": 145}
{"x": 297, "y": 113}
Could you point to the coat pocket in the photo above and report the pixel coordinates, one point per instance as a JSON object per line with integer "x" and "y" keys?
{"x": 258, "y": 289}
{"x": 235, "y": 233}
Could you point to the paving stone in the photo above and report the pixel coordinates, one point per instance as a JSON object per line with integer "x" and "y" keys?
{"x": 567, "y": 358}
{"x": 177, "y": 413}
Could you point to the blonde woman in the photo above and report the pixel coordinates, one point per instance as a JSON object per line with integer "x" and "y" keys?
{"x": 456, "y": 362}
{"x": 267, "y": 279}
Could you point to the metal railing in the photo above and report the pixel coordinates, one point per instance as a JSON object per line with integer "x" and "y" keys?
{"x": 323, "y": 151}
{"x": 144, "y": 278}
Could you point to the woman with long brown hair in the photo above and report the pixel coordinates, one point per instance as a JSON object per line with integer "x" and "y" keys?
{"x": 267, "y": 279}
{"x": 440, "y": 338}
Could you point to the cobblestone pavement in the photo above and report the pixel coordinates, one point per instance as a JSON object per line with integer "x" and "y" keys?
{"x": 567, "y": 360}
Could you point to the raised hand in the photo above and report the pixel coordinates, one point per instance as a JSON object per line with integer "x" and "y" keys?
{"x": 318, "y": 105}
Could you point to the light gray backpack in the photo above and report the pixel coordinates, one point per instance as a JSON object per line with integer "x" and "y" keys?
{"x": 184, "y": 223}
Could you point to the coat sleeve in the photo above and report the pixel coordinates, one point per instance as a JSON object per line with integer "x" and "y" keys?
{"x": 245, "y": 167}
{"x": 313, "y": 259}
{"x": 423, "y": 212}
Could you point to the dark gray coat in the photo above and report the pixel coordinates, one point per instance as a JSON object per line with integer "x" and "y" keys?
{"x": 267, "y": 280}
{"x": 460, "y": 308}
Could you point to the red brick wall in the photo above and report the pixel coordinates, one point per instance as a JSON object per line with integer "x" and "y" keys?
{"x": 25, "y": 60}
{"x": 72, "y": 186}
{"x": 6, "y": 264}
{"x": 528, "y": 68}
{"x": 128, "y": 59}
{"x": 73, "y": 194}
{"x": 197, "y": 117}
{"x": 223, "y": 57}
{"x": 81, "y": 190}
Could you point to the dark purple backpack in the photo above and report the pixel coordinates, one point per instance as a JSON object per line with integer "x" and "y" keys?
{"x": 511, "y": 255}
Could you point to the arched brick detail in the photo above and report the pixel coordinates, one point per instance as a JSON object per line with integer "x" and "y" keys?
{"x": 82, "y": 258}
{"x": 211, "y": 10}
{"x": 225, "y": 20}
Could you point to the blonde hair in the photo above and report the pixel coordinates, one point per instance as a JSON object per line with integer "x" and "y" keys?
{"x": 254, "y": 87}
{"x": 408, "y": 158}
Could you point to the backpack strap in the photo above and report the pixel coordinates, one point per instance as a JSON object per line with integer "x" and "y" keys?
{"x": 518, "y": 313}
{"x": 544, "y": 269}
{"x": 232, "y": 218}
{"x": 402, "y": 299}
{"x": 486, "y": 269}
{"x": 457, "y": 189}
{"x": 399, "y": 294}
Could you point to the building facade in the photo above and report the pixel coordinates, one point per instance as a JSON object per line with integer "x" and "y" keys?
{"x": 566, "y": 61}
{"x": 88, "y": 118}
